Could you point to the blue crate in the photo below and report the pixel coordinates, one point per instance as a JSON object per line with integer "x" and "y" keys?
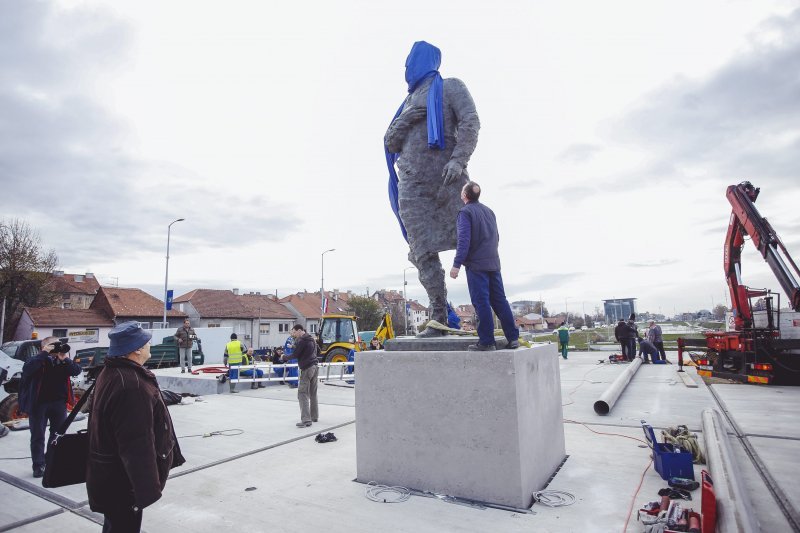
{"x": 668, "y": 462}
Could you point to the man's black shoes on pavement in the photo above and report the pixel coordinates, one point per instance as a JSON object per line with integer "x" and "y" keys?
{"x": 512, "y": 345}
{"x": 38, "y": 471}
{"x": 303, "y": 424}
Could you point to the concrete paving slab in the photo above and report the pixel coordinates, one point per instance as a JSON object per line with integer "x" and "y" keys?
{"x": 302, "y": 485}
{"x": 17, "y": 505}
{"x": 65, "y": 522}
{"x": 759, "y": 410}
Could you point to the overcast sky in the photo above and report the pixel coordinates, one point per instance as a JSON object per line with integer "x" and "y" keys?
{"x": 609, "y": 133}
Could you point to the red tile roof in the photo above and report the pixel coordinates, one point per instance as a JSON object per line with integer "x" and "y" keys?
{"x": 52, "y": 316}
{"x": 130, "y": 303}
{"x": 222, "y": 303}
{"x": 308, "y": 303}
{"x": 69, "y": 284}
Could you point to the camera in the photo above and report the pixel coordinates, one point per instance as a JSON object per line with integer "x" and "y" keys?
{"x": 60, "y": 347}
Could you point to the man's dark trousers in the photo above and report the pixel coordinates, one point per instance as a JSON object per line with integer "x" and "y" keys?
{"x": 56, "y": 413}
{"x": 660, "y": 346}
{"x": 487, "y": 294}
{"x": 631, "y": 349}
{"x": 123, "y": 521}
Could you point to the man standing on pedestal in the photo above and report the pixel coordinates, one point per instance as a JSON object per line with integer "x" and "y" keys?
{"x": 477, "y": 251}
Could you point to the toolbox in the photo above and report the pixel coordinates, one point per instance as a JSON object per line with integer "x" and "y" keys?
{"x": 669, "y": 462}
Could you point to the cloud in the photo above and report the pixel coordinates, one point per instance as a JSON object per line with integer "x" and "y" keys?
{"x": 65, "y": 161}
{"x": 524, "y": 184}
{"x": 540, "y": 282}
{"x": 739, "y": 123}
{"x": 579, "y": 153}
{"x": 654, "y": 263}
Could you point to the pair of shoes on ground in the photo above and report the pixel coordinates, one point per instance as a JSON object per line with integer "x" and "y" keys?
{"x": 326, "y": 437}
{"x": 304, "y": 424}
{"x": 38, "y": 471}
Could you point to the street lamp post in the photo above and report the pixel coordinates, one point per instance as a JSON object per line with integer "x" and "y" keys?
{"x": 566, "y": 311}
{"x": 322, "y": 284}
{"x": 405, "y": 301}
{"x": 166, "y": 274}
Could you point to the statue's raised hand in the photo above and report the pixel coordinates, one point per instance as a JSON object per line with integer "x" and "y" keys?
{"x": 415, "y": 113}
{"x": 452, "y": 171}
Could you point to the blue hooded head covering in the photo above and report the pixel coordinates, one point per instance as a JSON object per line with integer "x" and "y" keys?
{"x": 422, "y": 63}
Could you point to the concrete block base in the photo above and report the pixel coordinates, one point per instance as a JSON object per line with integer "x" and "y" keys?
{"x": 486, "y": 426}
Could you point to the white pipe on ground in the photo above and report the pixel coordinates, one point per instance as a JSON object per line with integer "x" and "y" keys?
{"x": 734, "y": 512}
{"x": 607, "y": 400}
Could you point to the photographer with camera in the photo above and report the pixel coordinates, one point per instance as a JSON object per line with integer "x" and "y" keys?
{"x": 185, "y": 336}
{"x": 44, "y": 390}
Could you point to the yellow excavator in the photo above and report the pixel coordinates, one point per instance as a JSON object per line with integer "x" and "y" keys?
{"x": 338, "y": 334}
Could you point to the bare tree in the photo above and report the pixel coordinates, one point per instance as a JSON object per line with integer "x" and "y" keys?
{"x": 25, "y": 271}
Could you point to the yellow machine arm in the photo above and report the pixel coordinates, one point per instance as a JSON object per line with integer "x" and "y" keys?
{"x": 385, "y": 331}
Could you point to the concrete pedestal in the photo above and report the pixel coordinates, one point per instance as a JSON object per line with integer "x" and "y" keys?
{"x": 486, "y": 426}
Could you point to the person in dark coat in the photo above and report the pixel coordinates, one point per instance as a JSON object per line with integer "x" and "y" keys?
{"x": 132, "y": 443}
{"x": 633, "y": 334}
{"x": 45, "y": 389}
{"x": 305, "y": 351}
{"x": 622, "y": 333}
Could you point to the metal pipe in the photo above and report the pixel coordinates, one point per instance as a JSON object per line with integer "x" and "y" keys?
{"x": 609, "y": 397}
{"x": 734, "y": 512}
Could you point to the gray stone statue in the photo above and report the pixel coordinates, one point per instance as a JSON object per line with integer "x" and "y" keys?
{"x": 431, "y": 140}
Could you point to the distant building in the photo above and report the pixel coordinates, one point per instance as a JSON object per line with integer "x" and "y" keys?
{"x": 83, "y": 327}
{"x": 619, "y": 308}
{"x": 76, "y": 291}
{"x": 122, "y": 305}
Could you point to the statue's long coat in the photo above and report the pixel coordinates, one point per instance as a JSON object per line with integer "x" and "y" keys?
{"x": 428, "y": 208}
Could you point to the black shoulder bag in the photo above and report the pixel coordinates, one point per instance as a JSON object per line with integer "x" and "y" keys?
{"x": 67, "y": 455}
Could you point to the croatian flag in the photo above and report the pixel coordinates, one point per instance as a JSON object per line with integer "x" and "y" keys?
{"x": 324, "y": 305}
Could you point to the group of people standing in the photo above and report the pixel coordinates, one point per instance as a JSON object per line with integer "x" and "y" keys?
{"x": 651, "y": 347}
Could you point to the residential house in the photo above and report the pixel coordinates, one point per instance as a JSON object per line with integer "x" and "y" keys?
{"x": 466, "y": 313}
{"x": 123, "y": 304}
{"x": 417, "y": 315}
{"x": 83, "y": 327}
{"x": 307, "y": 307}
{"x": 259, "y": 320}
{"x": 553, "y": 322}
{"x": 76, "y": 290}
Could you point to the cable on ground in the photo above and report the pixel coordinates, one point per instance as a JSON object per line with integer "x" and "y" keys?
{"x": 554, "y": 498}
{"x": 602, "y": 433}
{"x": 223, "y": 433}
{"x": 633, "y": 500}
{"x": 379, "y": 493}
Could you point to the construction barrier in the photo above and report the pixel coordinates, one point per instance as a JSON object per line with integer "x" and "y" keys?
{"x": 327, "y": 372}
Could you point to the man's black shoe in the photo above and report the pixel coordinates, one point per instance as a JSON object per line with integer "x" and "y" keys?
{"x": 512, "y": 345}
{"x": 38, "y": 471}
{"x": 481, "y": 348}
{"x": 303, "y": 424}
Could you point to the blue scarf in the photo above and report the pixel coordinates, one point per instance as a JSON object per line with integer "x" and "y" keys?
{"x": 422, "y": 63}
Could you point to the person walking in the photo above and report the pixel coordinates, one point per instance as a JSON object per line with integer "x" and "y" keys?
{"x": 305, "y": 351}
{"x": 478, "y": 239}
{"x": 185, "y": 335}
{"x": 654, "y": 335}
{"x": 232, "y": 358}
{"x": 44, "y": 390}
{"x": 563, "y": 339}
{"x": 132, "y": 443}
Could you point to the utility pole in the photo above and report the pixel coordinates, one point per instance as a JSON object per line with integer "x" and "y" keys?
{"x": 405, "y": 300}
{"x": 3, "y": 321}
{"x": 166, "y": 274}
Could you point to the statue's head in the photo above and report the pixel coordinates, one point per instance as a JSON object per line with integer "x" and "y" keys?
{"x": 423, "y": 59}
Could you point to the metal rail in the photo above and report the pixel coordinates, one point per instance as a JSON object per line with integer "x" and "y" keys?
{"x": 343, "y": 374}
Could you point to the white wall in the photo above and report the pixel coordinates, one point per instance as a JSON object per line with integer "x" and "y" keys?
{"x": 213, "y": 339}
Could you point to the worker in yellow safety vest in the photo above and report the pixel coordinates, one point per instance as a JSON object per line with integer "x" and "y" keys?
{"x": 234, "y": 352}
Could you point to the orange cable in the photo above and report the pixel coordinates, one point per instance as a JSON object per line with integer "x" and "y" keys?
{"x": 633, "y": 500}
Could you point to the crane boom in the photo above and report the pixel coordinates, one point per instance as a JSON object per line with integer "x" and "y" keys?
{"x": 746, "y": 220}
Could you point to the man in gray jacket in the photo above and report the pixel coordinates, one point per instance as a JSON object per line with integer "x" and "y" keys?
{"x": 185, "y": 335}
{"x": 654, "y": 336}
{"x": 431, "y": 140}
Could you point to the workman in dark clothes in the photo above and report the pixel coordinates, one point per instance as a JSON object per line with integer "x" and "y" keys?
{"x": 634, "y": 334}
{"x": 477, "y": 251}
{"x": 305, "y": 351}
{"x": 45, "y": 389}
{"x": 649, "y": 350}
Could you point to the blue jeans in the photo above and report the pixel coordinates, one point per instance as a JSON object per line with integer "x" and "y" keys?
{"x": 487, "y": 295}
{"x": 56, "y": 413}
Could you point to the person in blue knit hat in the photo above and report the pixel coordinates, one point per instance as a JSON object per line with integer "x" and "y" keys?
{"x": 132, "y": 443}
